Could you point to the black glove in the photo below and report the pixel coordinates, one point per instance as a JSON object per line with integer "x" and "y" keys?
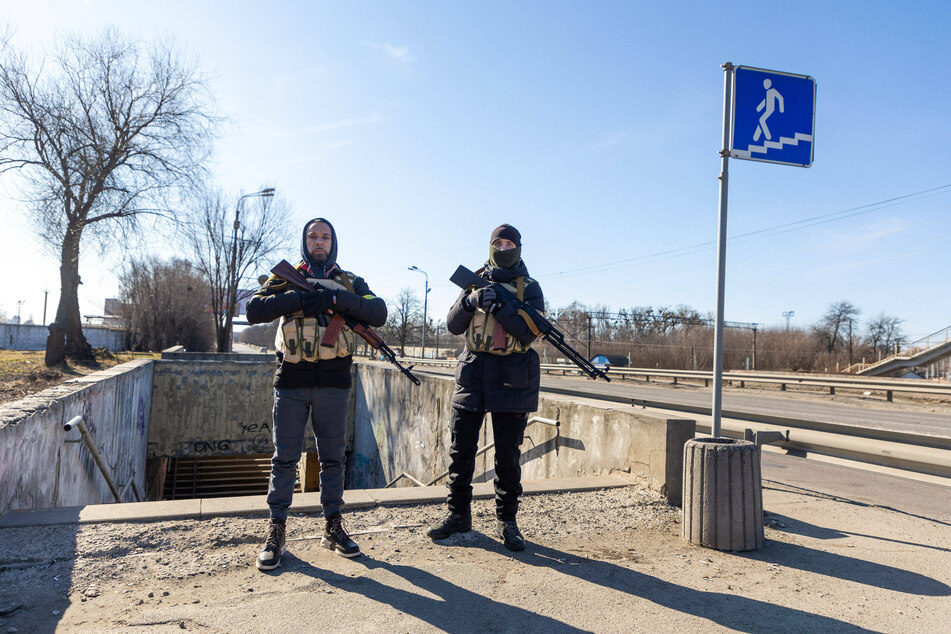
{"x": 483, "y": 298}
{"x": 316, "y": 302}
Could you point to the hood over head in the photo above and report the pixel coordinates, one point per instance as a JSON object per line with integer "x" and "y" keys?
{"x": 319, "y": 269}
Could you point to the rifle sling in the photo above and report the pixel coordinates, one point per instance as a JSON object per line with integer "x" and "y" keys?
{"x": 520, "y": 286}
{"x": 498, "y": 337}
{"x": 336, "y": 324}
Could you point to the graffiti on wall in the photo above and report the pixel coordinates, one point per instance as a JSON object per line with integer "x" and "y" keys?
{"x": 255, "y": 438}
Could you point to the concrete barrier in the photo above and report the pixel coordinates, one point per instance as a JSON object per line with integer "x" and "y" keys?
{"x": 213, "y": 408}
{"x": 401, "y": 428}
{"x": 723, "y": 494}
{"x": 179, "y": 408}
{"x": 39, "y": 469}
{"x": 178, "y": 353}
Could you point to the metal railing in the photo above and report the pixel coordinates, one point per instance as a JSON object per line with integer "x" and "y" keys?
{"x": 783, "y": 379}
{"x": 926, "y": 343}
{"x": 482, "y": 450}
{"x": 917, "y": 452}
{"x": 77, "y": 423}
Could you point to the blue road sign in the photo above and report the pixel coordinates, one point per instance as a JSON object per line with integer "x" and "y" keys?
{"x": 773, "y": 116}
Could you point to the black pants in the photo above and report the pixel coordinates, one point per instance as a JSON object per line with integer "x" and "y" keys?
{"x": 507, "y": 431}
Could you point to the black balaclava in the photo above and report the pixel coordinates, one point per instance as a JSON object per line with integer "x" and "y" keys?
{"x": 505, "y": 259}
{"x": 317, "y": 269}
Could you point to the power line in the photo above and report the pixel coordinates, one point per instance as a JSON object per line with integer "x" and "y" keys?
{"x": 768, "y": 231}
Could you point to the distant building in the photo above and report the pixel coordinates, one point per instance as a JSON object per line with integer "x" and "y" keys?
{"x": 111, "y": 316}
{"x": 112, "y": 307}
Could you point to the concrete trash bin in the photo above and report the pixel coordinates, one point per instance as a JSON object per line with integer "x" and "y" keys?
{"x": 723, "y": 494}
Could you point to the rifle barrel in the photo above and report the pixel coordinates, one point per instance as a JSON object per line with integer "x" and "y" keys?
{"x": 464, "y": 278}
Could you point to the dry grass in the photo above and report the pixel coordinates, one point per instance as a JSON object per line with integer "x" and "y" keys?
{"x": 23, "y": 372}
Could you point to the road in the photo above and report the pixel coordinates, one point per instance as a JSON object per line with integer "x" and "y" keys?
{"x": 874, "y": 413}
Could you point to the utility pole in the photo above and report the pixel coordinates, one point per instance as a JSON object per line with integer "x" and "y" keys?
{"x": 589, "y": 336}
{"x": 45, "y": 295}
{"x": 754, "y": 346}
{"x": 850, "y": 342}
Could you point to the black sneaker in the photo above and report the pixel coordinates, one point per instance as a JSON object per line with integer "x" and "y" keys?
{"x": 336, "y": 538}
{"x": 511, "y": 536}
{"x": 270, "y": 557}
{"x": 451, "y": 523}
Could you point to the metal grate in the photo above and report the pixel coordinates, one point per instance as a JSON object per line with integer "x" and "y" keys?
{"x": 218, "y": 476}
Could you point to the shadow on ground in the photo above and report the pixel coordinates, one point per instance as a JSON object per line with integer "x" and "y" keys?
{"x": 456, "y": 609}
{"x": 798, "y": 527}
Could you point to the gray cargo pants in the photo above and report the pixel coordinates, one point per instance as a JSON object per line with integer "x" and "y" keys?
{"x": 327, "y": 407}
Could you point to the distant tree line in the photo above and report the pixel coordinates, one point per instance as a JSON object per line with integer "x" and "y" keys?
{"x": 681, "y": 338}
{"x": 676, "y": 337}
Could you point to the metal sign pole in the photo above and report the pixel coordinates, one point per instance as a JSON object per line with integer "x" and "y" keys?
{"x": 721, "y": 248}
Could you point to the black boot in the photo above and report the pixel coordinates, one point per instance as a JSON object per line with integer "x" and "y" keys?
{"x": 451, "y": 523}
{"x": 336, "y": 538}
{"x": 511, "y": 536}
{"x": 270, "y": 556}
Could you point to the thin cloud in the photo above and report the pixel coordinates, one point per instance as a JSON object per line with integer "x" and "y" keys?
{"x": 396, "y": 53}
{"x": 376, "y": 117}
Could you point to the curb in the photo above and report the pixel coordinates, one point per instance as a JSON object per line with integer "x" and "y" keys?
{"x": 206, "y": 508}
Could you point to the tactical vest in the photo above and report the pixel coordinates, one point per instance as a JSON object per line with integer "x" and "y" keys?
{"x": 298, "y": 338}
{"x": 484, "y": 329}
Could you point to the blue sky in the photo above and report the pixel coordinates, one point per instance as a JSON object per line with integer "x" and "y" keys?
{"x": 593, "y": 127}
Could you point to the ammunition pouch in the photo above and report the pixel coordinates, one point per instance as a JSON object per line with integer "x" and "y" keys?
{"x": 299, "y": 339}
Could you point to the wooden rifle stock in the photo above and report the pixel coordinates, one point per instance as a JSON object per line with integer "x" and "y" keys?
{"x": 288, "y": 273}
{"x": 464, "y": 278}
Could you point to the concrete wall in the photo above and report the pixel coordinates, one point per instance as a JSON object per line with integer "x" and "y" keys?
{"x": 171, "y": 408}
{"x": 33, "y": 337}
{"x": 397, "y": 427}
{"x": 178, "y": 354}
{"x": 401, "y": 428}
{"x": 38, "y": 469}
{"x": 213, "y": 408}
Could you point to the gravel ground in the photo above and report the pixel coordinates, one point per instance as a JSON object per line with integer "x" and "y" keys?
{"x": 609, "y": 561}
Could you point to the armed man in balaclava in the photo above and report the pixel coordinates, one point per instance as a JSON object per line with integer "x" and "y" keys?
{"x": 498, "y": 372}
{"x": 312, "y": 381}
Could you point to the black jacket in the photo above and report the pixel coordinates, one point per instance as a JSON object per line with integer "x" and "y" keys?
{"x": 277, "y": 298}
{"x": 488, "y": 382}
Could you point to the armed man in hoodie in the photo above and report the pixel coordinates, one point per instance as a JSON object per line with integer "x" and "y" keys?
{"x": 312, "y": 381}
{"x": 498, "y": 372}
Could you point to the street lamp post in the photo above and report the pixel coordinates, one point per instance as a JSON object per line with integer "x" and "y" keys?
{"x": 232, "y": 271}
{"x": 425, "y": 301}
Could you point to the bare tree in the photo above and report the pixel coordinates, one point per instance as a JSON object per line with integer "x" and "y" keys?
{"x": 883, "y": 332}
{"x": 834, "y": 325}
{"x": 404, "y": 316}
{"x": 229, "y": 247}
{"x": 102, "y": 130}
{"x": 164, "y": 304}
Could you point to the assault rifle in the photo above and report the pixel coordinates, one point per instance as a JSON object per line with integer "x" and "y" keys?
{"x": 288, "y": 273}
{"x": 464, "y": 278}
